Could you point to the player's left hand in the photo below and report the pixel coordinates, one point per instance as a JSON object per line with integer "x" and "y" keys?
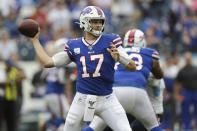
{"x": 114, "y": 52}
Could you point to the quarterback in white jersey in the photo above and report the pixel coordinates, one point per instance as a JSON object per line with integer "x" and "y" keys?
{"x": 130, "y": 87}
{"x": 95, "y": 55}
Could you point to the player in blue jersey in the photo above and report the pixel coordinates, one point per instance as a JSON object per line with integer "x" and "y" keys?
{"x": 130, "y": 87}
{"x": 95, "y": 55}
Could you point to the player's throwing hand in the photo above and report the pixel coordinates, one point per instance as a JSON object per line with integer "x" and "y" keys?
{"x": 36, "y": 37}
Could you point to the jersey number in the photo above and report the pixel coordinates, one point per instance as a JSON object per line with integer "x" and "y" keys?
{"x": 138, "y": 60}
{"x": 96, "y": 73}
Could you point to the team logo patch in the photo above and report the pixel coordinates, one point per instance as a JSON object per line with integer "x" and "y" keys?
{"x": 91, "y": 103}
{"x": 77, "y": 51}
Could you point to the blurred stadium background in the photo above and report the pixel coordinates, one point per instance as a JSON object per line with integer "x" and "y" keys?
{"x": 170, "y": 27}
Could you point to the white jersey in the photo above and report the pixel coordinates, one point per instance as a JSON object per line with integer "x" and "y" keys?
{"x": 155, "y": 90}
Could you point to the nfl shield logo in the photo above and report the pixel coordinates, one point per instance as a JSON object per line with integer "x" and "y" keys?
{"x": 77, "y": 51}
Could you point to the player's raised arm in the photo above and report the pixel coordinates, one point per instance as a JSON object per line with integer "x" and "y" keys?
{"x": 58, "y": 59}
{"x": 31, "y": 29}
{"x": 120, "y": 55}
{"x": 45, "y": 59}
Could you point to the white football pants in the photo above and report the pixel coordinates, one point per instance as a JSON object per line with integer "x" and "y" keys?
{"x": 107, "y": 107}
{"x": 136, "y": 102}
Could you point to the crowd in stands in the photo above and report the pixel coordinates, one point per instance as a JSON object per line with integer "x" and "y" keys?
{"x": 169, "y": 25}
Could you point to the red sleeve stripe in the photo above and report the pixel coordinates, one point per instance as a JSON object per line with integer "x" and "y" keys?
{"x": 68, "y": 51}
{"x": 155, "y": 56}
{"x": 116, "y": 39}
{"x": 119, "y": 43}
{"x": 156, "y": 53}
{"x": 66, "y": 46}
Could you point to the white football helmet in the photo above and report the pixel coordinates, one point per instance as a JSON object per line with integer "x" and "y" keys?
{"x": 134, "y": 37}
{"x": 89, "y": 13}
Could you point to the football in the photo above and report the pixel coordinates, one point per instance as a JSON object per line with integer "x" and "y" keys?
{"x": 28, "y": 27}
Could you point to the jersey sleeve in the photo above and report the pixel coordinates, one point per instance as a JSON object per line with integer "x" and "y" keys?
{"x": 151, "y": 53}
{"x": 116, "y": 40}
{"x": 155, "y": 55}
{"x": 69, "y": 50}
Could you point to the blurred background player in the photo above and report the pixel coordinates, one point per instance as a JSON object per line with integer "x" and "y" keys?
{"x": 185, "y": 92}
{"x": 130, "y": 87}
{"x": 58, "y": 89}
{"x": 9, "y": 101}
{"x": 95, "y": 56}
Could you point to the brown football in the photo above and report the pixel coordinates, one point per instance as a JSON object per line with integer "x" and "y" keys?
{"x": 28, "y": 27}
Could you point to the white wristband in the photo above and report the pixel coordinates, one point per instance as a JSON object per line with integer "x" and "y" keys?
{"x": 124, "y": 61}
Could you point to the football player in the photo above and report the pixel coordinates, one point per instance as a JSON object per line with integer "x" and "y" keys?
{"x": 95, "y": 55}
{"x": 130, "y": 87}
{"x": 155, "y": 89}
